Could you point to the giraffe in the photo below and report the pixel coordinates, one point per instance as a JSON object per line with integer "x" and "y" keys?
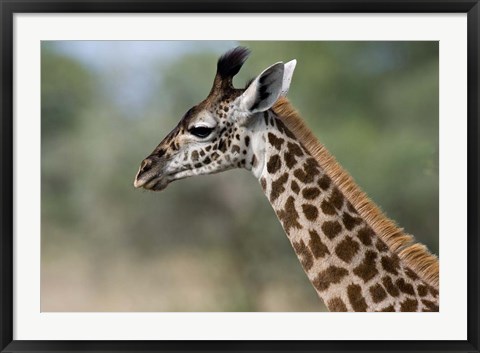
{"x": 355, "y": 257}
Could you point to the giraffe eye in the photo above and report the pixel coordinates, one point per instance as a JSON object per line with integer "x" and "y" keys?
{"x": 200, "y": 131}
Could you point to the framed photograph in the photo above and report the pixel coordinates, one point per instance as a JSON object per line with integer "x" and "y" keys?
{"x": 199, "y": 176}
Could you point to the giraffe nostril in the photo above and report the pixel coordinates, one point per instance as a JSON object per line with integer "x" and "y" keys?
{"x": 146, "y": 165}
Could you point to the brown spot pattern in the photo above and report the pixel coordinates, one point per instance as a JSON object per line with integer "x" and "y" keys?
{"x": 277, "y": 187}
{"x": 311, "y": 166}
{"x": 310, "y": 193}
{"x": 305, "y": 256}
{"x": 357, "y": 301}
{"x": 332, "y": 275}
{"x": 222, "y": 146}
{"x": 409, "y": 305}
{"x": 281, "y": 126}
{"x": 290, "y": 160}
{"x": 351, "y": 208}
{"x": 365, "y": 235}
{"x": 318, "y": 248}
{"x": 390, "y": 287}
{"x": 431, "y": 306}
{"x": 378, "y": 293}
{"x": 289, "y": 216}
{"x": 327, "y": 208}
{"x": 412, "y": 275}
{"x": 336, "y": 198}
{"x": 275, "y": 141}
{"x": 422, "y": 290}
{"x": 310, "y": 212}
{"x": 336, "y": 305}
{"x": 390, "y": 264}
{"x": 331, "y": 229}
{"x": 274, "y": 164}
{"x": 349, "y": 221}
{"x": 194, "y": 156}
{"x": 381, "y": 246}
{"x": 263, "y": 182}
{"x": 302, "y": 176}
{"x": 293, "y": 151}
{"x": 367, "y": 269}
{"x": 295, "y": 187}
{"x": 347, "y": 249}
{"x": 405, "y": 287}
{"x": 324, "y": 182}
{"x": 307, "y": 174}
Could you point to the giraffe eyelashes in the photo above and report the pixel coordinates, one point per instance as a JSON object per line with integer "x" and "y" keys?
{"x": 201, "y": 131}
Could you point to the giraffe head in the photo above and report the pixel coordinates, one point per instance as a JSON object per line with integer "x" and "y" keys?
{"x": 218, "y": 133}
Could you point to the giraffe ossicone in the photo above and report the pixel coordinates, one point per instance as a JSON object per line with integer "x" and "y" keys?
{"x": 355, "y": 257}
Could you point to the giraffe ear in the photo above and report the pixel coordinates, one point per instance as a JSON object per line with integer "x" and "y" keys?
{"x": 287, "y": 76}
{"x": 264, "y": 91}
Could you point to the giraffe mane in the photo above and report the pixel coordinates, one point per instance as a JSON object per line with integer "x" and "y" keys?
{"x": 415, "y": 255}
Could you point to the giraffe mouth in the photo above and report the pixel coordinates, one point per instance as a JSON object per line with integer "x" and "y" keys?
{"x": 157, "y": 182}
{"x": 160, "y": 185}
{"x": 153, "y": 183}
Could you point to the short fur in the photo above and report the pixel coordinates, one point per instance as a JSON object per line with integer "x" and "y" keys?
{"x": 414, "y": 255}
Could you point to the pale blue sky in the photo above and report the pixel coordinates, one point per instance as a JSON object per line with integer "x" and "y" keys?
{"x": 126, "y": 66}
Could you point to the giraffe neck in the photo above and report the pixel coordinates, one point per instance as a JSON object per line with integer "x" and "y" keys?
{"x": 348, "y": 264}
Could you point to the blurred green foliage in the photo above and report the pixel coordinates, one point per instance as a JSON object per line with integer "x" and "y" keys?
{"x": 212, "y": 243}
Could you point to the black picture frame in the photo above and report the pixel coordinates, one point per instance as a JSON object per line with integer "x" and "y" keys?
{"x": 9, "y": 8}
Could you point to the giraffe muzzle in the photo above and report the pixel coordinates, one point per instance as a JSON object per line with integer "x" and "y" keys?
{"x": 150, "y": 175}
